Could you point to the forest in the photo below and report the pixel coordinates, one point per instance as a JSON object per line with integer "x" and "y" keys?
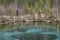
{"x": 19, "y": 7}
{"x": 16, "y": 8}
{"x": 29, "y": 5}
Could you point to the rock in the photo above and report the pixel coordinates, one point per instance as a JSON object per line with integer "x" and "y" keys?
{"x": 36, "y": 37}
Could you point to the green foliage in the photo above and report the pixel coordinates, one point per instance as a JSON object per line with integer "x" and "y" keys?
{"x": 37, "y": 5}
{"x": 31, "y": 5}
{"x": 10, "y": 12}
{"x": 6, "y": 2}
{"x": 2, "y": 20}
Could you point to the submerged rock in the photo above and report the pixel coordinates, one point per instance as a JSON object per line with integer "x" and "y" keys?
{"x": 36, "y": 37}
{"x": 21, "y": 29}
{"x": 43, "y": 33}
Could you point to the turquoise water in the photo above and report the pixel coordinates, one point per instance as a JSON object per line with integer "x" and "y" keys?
{"x": 43, "y": 31}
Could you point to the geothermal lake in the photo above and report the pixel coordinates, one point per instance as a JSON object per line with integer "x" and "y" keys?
{"x": 30, "y": 31}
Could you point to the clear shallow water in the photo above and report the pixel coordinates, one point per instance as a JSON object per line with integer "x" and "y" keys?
{"x": 38, "y": 31}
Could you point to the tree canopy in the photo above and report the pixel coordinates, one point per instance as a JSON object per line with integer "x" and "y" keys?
{"x": 29, "y": 5}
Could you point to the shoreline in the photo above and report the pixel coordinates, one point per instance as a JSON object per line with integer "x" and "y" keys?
{"x": 13, "y": 19}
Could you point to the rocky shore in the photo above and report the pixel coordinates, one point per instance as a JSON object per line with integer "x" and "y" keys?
{"x": 26, "y": 18}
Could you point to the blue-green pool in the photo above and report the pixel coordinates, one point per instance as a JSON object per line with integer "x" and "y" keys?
{"x": 39, "y": 31}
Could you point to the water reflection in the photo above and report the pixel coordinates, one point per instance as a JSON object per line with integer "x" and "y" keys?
{"x": 32, "y": 31}
{"x": 37, "y": 34}
{"x": 38, "y": 24}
